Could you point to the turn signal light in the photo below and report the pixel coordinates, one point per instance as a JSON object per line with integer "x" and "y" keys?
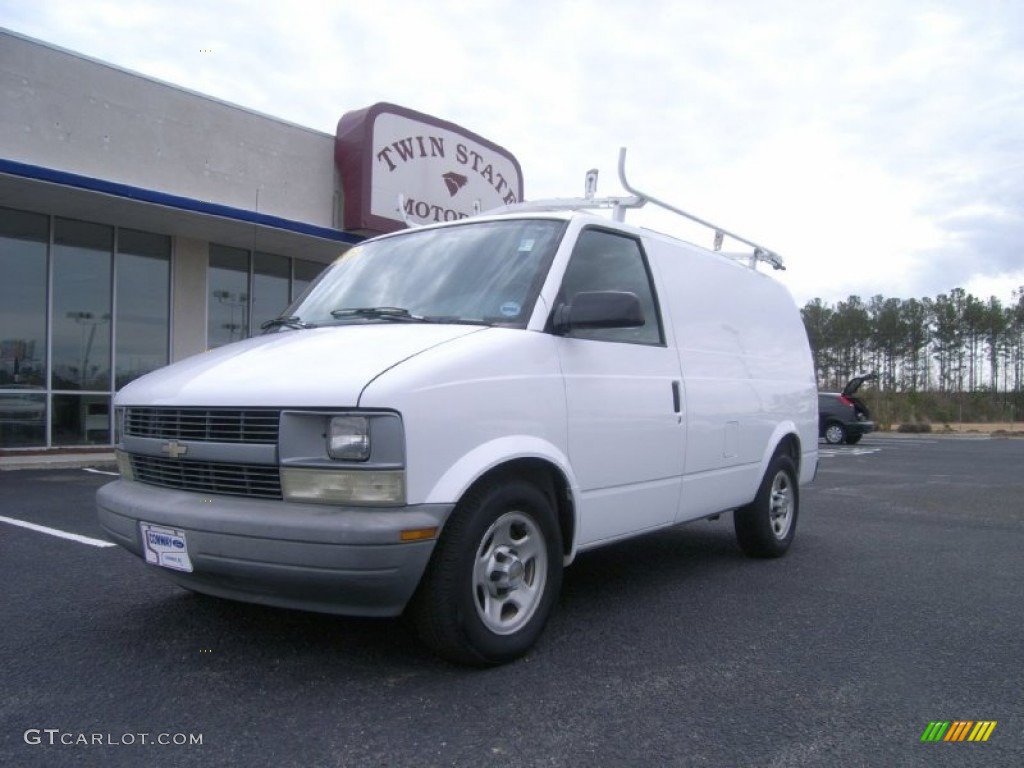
{"x": 418, "y": 534}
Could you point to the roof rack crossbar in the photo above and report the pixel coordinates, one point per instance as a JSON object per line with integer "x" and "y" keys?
{"x": 570, "y": 204}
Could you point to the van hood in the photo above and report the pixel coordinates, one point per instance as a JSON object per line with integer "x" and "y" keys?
{"x": 318, "y": 367}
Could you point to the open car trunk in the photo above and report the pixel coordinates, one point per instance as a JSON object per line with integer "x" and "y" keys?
{"x": 851, "y": 388}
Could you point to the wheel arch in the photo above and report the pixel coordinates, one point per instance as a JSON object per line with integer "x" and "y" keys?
{"x": 785, "y": 440}
{"x": 536, "y": 461}
{"x": 550, "y": 480}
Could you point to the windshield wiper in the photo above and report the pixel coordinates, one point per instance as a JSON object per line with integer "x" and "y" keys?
{"x": 403, "y": 315}
{"x": 383, "y": 313}
{"x": 292, "y": 321}
{"x": 455, "y": 320}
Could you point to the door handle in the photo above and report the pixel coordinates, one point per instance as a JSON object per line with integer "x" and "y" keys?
{"x": 676, "y": 397}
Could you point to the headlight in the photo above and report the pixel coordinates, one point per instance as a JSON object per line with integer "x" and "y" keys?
{"x": 361, "y": 487}
{"x": 355, "y": 458}
{"x": 348, "y": 438}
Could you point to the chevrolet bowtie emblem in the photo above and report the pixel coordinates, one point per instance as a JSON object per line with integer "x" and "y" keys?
{"x": 174, "y": 449}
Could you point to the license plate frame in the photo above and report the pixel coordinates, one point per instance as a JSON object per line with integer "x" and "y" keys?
{"x": 165, "y": 547}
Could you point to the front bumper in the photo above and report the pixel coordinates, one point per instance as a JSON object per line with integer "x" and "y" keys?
{"x": 314, "y": 557}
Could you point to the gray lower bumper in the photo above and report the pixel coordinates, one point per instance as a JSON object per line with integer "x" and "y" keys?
{"x": 309, "y": 556}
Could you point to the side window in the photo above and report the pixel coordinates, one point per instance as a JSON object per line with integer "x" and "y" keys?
{"x": 603, "y": 261}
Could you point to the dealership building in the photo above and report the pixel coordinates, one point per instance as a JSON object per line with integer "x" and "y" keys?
{"x": 141, "y": 223}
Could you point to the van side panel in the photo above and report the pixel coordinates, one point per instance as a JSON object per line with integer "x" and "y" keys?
{"x": 746, "y": 368}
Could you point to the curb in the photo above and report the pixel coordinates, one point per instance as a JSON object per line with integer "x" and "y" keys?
{"x": 65, "y": 461}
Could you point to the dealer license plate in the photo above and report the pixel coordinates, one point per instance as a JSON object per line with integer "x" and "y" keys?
{"x": 165, "y": 547}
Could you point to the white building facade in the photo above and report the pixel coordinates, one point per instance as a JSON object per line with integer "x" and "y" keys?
{"x": 141, "y": 223}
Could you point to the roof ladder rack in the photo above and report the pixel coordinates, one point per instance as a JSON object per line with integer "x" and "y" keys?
{"x": 760, "y": 252}
{"x": 638, "y": 199}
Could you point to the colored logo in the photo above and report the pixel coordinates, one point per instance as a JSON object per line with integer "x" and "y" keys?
{"x": 958, "y": 730}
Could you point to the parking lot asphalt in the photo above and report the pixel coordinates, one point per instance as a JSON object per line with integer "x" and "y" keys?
{"x": 899, "y": 604}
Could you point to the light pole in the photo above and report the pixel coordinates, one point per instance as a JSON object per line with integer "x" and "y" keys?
{"x": 233, "y": 301}
{"x": 87, "y": 319}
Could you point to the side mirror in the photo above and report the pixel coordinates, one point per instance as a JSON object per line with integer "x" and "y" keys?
{"x": 599, "y": 309}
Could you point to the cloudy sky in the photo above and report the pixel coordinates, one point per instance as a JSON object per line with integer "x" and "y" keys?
{"x": 877, "y": 145}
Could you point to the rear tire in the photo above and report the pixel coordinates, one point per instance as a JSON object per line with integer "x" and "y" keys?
{"x": 835, "y": 433}
{"x": 766, "y": 526}
{"x": 493, "y": 578}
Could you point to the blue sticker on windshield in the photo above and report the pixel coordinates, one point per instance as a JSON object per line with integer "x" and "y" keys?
{"x": 510, "y": 308}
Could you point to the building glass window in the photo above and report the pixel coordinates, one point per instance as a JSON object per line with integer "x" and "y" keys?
{"x": 269, "y": 288}
{"x": 228, "y": 301}
{"x": 143, "y": 304}
{"x": 246, "y": 292}
{"x": 22, "y": 418}
{"x": 23, "y": 242}
{"x": 82, "y": 254}
{"x": 81, "y": 419}
{"x": 66, "y": 400}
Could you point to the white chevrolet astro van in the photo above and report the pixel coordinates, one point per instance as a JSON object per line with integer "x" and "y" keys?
{"x": 452, "y": 413}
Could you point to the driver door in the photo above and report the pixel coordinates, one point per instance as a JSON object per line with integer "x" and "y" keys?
{"x": 626, "y": 434}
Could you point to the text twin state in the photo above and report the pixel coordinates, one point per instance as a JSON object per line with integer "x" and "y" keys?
{"x": 418, "y": 147}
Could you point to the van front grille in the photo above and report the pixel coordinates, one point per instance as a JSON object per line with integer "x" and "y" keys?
{"x": 255, "y": 480}
{"x": 214, "y": 425}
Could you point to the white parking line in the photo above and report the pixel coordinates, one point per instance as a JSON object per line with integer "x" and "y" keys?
{"x": 100, "y": 472}
{"x": 57, "y": 533}
{"x": 832, "y": 452}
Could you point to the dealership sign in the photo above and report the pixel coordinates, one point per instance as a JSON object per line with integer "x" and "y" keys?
{"x": 401, "y": 166}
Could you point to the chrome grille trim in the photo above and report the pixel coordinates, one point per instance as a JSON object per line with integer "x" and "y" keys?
{"x": 219, "y": 425}
{"x": 259, "y": 481}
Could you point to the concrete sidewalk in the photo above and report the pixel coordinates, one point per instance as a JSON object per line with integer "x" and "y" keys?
{"x": 103, "y": 459}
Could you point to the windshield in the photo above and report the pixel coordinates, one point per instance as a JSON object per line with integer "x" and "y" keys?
{"x": 481, "y": 272}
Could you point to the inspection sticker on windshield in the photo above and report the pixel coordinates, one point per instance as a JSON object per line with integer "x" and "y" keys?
{"x": 526, "y": 245}
{"x": 510, "y": 309}
{"x": 165, "y": 547}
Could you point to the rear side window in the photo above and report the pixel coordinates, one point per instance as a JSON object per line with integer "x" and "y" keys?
{"x": 607, "y": 261}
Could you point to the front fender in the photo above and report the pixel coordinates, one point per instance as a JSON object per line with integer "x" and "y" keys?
{"x": 483, "y": 458}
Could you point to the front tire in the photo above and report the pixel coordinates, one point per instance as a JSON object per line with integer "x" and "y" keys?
{"x": 766, "y": 526}
{"x": 494, "y": 576}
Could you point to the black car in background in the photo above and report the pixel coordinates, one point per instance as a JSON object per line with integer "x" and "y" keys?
{"x": 842, "y": 417}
